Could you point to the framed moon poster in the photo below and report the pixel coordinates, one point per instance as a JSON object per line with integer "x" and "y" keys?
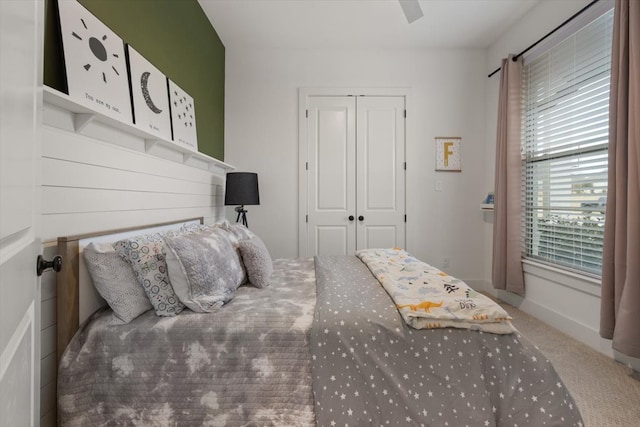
{"x": 149, "y": 95}
{"x": 448, "y": 154}
{"x": 94, "y": 61}
{"x": 183, "y": 117}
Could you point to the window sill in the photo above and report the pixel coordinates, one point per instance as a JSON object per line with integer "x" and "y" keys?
{"x": 579, "y": 282}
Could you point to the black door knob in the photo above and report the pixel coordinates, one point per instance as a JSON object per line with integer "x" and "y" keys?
{"x": 42, "y": 265}
{"x": 351, "y": 218}
{"x": 360, "y": 218}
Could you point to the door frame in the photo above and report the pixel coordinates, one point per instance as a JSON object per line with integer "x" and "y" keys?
{"x": 303, "y": 156}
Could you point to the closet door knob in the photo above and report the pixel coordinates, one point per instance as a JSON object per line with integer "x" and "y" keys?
{"x": 351, "y": 217}
{"x": 360, "y": 218}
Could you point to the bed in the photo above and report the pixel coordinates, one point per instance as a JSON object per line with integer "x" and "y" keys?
{"x": 323, "y": 343}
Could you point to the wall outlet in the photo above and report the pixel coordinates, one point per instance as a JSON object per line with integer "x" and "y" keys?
{"x": 445, "y": 263}
{"x": 438, "y": 185}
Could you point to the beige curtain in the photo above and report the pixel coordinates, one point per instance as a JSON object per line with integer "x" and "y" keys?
{"x": 507, "y": 267}
{"x": 620, "y": 304}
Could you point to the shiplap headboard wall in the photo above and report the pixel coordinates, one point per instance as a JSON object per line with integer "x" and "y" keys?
{"x": 104, "y": 177}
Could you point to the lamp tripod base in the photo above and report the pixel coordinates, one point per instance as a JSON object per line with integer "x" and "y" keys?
{"x": 242, "y": 215}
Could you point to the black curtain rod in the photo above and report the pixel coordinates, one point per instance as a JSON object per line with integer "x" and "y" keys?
{"x": 515, "y": 57}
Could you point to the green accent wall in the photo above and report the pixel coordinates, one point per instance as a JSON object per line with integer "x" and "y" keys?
{"x": 176, "y": 37}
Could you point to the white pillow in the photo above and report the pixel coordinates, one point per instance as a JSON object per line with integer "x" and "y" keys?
{"x": 116, "y": 282}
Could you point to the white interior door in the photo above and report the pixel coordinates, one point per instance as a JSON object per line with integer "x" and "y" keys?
{"x": 380, "y": 179}
{"x": 331, "y": 176}
{"x": 21, "y": 39}
{"x": 353, "y": 192}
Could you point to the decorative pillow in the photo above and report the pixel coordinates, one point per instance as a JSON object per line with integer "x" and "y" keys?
{"x": 146, "y": 255}
{"x": 116, "y": 282}
{"x": 204, "y": 268}
{"x": 192, "y": 228}
{"x": 238, "y": 232}
{"x": 257, "y": 261}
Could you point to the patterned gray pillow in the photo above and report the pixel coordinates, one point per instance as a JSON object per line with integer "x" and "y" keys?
{"x": 204, "y": 268}
{"x": 146, "y": 255}
{"x": 257, "y": 261}
{"x": 191, "y": 228}
{"x": 237, "y": 232}
{"x": 116, "y": 282}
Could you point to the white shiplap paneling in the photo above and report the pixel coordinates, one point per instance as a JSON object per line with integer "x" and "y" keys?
{"x": 104, "y": 178}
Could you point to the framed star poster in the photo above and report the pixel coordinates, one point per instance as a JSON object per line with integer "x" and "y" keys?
{"x": 448, "y": 154}
{"x": 94, "y": 62}
{"x": 149, "y": 95}
{"x": 183, "y": 117}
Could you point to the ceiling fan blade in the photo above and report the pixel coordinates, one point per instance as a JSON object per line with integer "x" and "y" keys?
{"x": 411, "y": 9}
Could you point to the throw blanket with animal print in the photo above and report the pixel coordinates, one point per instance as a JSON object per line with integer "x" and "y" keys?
{"x": 428, "y": 298}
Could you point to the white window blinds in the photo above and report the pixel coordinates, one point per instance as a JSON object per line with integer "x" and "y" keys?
{"x": 565, "y": 138}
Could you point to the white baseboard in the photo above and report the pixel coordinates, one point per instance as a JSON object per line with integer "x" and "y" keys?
{"x": 561, "y": 322}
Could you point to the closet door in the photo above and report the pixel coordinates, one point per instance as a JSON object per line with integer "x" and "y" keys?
{"x": 380, "y": 191}
{"x": 331, "y": 176}
{"x": 354, "y": 179}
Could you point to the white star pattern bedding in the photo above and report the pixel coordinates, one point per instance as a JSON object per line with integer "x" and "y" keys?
{"x": 326, "y": 349}
{"x": 371, "y": 368}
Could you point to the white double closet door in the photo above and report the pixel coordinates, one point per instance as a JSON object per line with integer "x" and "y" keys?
{"x": 353, "y": 190}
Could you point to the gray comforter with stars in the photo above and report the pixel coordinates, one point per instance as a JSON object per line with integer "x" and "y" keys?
{"x": 370, "y": 368}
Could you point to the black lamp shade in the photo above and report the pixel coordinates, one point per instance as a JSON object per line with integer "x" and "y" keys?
{"x": 242, "y": 189}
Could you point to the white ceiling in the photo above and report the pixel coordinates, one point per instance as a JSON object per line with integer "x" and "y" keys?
{"x": 361, "y": 23}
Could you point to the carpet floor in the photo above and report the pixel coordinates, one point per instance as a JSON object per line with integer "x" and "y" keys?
{"x": 605, "y": 391}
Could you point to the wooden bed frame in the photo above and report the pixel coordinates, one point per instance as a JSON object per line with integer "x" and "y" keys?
{"x": 69, "y": 279}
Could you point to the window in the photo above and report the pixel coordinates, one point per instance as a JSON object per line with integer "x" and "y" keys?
{"x": 565, "y": 138}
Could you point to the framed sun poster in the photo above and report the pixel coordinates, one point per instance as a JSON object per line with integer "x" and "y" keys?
{"x": 149, "y": 94}
{"x": 183, "y": 117}
{"x": 448, "y": 154}
{"x": 95, "y": 62}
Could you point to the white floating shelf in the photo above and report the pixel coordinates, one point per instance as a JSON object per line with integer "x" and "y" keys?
{"x": 84, "y": 115}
